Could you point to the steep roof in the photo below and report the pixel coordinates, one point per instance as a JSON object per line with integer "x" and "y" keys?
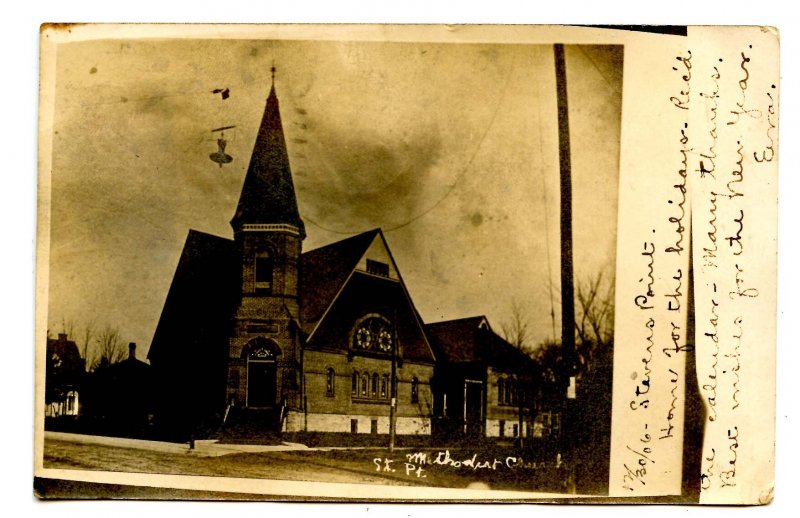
{"x": 68, "y": 356}
{"x": 472, "y": 340}
{"x": 335, "y": 279}
{"x": 268, "y": 192}
{"x": 323, "y": 272}
{"x": 202, "y": 297}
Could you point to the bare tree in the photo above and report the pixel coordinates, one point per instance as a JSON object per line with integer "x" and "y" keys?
{"x": 594, "y": 319}
{"x": 515, "y": 330}
{"x": 84, "y": 338}
{"x": 108, "y": 348}
{"x": 594, "y": 328}
{"x": 82, "y": 335}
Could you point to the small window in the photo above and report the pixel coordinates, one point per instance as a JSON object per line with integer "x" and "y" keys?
{"x": 263, "y": 274}
{"x": 414, "y": 390}
{"x": 374, "y": 385}
{"x": 502, "y": 426}
{"x": 373, "y": 427}
{"x": 353, "y": 425}
{"x": 354, "y": 385}
{"x": 384, "y": 387}
{"x": 377, "y": 268}
{"x": 500, "y": 389}
{"x": 364, "y": 385}
{"x": 507, "y": 394}
{"x": 330, "y": 380}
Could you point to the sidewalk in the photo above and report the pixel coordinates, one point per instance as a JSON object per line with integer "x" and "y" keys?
{"x": 202, "y": 448}
{"x": 205, "y": 448}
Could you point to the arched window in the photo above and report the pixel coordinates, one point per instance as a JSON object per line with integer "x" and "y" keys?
{"x": 330, "y": 380}
{"x": 500, "y": 391}
{"x": 414, "y": 390}
{"x": 354, "y": 384}
{"x": 384, "y": 387}
{"x": 364, "y": 383}
{"x": 374, "y": 386}
{"x": 263, "y": 271}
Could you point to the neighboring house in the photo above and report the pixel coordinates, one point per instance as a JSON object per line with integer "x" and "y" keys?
{"x": 256, "y": 333}
{"x": 64, "y": 376}
{"x": 119, "y": 398}
{"x": 484, "y": 386}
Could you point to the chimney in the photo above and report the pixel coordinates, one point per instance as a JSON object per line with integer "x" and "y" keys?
{"x": 132, "y": 351}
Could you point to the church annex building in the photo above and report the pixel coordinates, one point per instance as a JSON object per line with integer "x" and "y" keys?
{"x": 256, "y": 333}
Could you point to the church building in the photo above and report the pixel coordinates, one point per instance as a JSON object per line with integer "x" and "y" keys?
{"x": 256, "y": 332}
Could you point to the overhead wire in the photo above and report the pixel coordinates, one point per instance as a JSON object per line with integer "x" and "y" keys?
{"x": 452, "y": 187}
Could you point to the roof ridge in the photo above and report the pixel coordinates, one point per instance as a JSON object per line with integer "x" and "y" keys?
{"x": 374, "y": 231}
{"x": 454, "y": 320}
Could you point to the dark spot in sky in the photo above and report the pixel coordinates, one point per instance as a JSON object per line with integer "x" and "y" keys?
{"x": 299, "y": 141}
{"x": 93, "y": 70}
{"x": 476, "y": 219}
{"x": 301, "y": 111}
{"x": 254, "y": 51}
{"x": 123, "y": 99}
{"x": 371, "y": 179}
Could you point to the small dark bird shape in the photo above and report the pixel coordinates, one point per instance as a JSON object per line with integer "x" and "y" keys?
{"x": 225, "y": 92}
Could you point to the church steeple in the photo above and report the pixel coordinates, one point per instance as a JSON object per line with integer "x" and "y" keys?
{"x": 268, "y": 196}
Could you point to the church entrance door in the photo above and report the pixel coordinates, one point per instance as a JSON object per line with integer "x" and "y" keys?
{"x": 261, "y": 383}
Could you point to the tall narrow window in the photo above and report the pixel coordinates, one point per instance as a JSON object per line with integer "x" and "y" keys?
{"x": 384, "y": 387}
{"x": 330, "y": 380}
{"x": 354, "y": 386}
{"x": 500, "y": 393}
{"x": 414, "y": 390}
{"x": 374, "y": 385}
{"x": 364, "y": 383}
{"x": 263, "y": 273}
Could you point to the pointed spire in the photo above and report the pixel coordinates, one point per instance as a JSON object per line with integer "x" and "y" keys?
{"x": 268, "y": 192}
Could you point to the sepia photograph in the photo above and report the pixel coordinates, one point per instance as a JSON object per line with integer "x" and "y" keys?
{"x": 396, "y": 263}
{"x": 363, "y": 262}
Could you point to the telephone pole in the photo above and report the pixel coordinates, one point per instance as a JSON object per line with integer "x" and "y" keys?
{"x": 567, "y": 282}
{"x": 393, "y": 387}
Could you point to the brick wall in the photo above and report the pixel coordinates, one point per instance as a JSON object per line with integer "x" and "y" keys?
{"x": 268, "y": 315}
{"x": 317, "y": 363}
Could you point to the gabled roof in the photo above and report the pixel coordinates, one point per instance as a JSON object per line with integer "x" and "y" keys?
{"x": 202, "y": 297}
{"x": 471, "y": 339}
{"x": 323, "y": 273}
{"x": 336, "y": 270}
{"x": 268, "y": 192}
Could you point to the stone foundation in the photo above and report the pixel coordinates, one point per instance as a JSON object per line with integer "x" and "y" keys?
{"x": 342, "y": 423}
{"x": 493, "y": 428}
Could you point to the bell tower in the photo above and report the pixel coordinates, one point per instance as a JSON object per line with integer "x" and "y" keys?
{"x": 263, "y": 361}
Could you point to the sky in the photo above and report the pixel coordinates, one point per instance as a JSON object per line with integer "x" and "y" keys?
{"x": 452, "y": 149}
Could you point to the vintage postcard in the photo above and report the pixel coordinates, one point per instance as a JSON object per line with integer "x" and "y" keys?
{"x": 407, "y": 263}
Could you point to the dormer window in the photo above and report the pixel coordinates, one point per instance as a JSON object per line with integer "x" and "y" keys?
{"x": 377, "y": 268}
{"x": 263, "y": 272}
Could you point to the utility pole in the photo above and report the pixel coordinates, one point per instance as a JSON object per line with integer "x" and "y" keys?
{"x": 567, "y": 285}
{"x": 393, "y": 387}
